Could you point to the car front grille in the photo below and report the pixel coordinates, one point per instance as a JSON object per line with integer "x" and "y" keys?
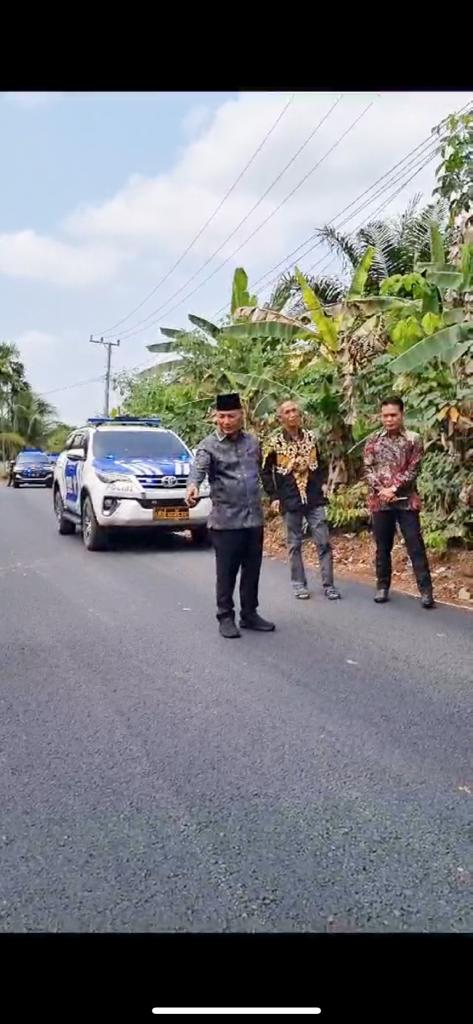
{"x": 154, "y": 482}
{"x": 162, "y": 502}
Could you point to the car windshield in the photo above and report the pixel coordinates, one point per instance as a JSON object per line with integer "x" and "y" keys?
{"x": 31, "y": 457}
{"x": 137, "y": 444}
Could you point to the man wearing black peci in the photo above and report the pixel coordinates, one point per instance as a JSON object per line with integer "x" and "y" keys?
{"x": 231, "y": 459}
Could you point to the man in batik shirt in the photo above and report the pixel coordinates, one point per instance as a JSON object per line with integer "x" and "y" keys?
{"x": 294, "y": 481}
{"x": 392, "y": 461}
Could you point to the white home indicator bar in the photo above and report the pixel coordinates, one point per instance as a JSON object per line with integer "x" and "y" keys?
{"x": 237, "y": 1009}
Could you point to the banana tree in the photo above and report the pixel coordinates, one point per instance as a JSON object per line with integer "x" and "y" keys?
{"x": 345, "y": 342}
{"x": 426, "y": 311}
{"x": 449, "y": 336}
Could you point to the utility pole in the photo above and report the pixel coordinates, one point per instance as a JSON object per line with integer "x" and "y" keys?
{"x": 108, "y": 345}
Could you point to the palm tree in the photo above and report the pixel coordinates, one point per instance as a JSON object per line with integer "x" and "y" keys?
{"x": 32, "y": 416}
{"x": 329, "y": 290}
{"x": 399, "y": 242}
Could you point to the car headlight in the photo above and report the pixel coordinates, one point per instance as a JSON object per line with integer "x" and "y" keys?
{"x": 120, "y": 483}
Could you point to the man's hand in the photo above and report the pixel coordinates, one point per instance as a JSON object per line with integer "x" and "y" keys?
{"x": 387, "y": 493}
{"x": 192, "y": 495}
{"x": 275, "y": 506}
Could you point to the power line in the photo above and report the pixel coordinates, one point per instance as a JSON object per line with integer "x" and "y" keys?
{"x": 222, "y": 245}
{"x": 207, "y": 222}
{"x": 427, "y": 144}
{"x": 258, "y": 228}
{"x": 76, "y": 384}
{"x": 315, "y": 235}
{"x": 310, "y": 270}
{"x": 321, "y": 241}
{"x": 421, "y": 145}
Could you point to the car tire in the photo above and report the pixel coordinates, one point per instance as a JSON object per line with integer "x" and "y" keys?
{"x": 65, "y": 527}
{"x": 201, "y": 536}
{"x": 49, "y": 485}
{"x": 16, "y": 484}
{"x": 93, "y": 535}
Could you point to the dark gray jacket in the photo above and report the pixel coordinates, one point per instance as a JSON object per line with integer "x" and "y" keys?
{"x": 232, "y": 465}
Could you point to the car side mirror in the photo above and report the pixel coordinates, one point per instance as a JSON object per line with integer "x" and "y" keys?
{"x": 76, "y": 455}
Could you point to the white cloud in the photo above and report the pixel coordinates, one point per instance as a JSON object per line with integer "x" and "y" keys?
{"x": 31, "y": 100}
{"x": 38, "y": 257}
{"x": 35, "y": 342}
{"x": 195, "y": 120}
{"x": 114, "y": 252}
{"x": 162, "y": 214}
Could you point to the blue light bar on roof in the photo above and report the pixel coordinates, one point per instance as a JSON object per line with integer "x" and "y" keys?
{"x": 140, "y": 421}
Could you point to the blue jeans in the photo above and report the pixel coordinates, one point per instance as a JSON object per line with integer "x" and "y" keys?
{"x": 319, "y": 531}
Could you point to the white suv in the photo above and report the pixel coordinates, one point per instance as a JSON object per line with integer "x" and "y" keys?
{"x": 125, "y": 472}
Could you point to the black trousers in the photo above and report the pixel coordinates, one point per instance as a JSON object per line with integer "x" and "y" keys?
{"x": 384, "y": 529}
{"x": 238, "y": 550}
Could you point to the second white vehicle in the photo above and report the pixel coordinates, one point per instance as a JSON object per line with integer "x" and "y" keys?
{"x": 125, "y": 472}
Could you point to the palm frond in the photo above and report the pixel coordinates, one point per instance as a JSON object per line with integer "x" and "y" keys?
{"x": 285, "y": 289}
{"x": 346, "y": 246}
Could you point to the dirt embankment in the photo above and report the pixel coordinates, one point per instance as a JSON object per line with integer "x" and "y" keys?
{"x": 452, "y": 572}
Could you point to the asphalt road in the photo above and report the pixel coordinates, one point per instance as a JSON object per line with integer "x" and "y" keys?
{"x": 156, "y": 777}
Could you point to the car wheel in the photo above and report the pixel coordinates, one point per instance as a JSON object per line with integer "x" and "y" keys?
{"x": 16, "y": 484}
{"x": 201, "y": 536}
{"x": 49, "y": 485}
{"x": 93, "y": 535}
{"x": 65, "y": 527}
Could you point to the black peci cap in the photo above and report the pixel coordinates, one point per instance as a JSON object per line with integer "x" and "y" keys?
{"x": 228, "y": 403}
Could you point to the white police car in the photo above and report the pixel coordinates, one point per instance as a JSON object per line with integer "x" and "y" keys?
{"x": 125, "y": 472}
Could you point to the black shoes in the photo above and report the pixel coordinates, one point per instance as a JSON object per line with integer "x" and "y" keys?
{"x": 256, "y": 622}
{"x": 228, "y": 629}
{"x": 426, "y": 597}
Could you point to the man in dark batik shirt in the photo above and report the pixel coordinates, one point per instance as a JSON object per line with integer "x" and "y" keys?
{"x": 392, "y": 461}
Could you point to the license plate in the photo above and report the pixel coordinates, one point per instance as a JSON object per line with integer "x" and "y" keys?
{"x": 170, "y": 513}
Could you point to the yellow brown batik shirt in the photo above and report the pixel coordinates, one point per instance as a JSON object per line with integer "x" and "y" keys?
{"x": 292, "y": 471}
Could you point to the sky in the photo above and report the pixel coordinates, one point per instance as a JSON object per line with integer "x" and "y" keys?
{"x": 103, "y": 193}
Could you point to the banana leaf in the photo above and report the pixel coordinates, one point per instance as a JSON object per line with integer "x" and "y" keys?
{"x": 442, "y": 275}
{"x": 445, "y": 279}
{"x": 453, "y": 316}
{"x": 162, "y": 346}
{"x": 325, "y": 324}
{"x": 462, "y": 349}
{"x": 162, "y": 367}
{"x": 380, "y": 303}
{"x": 360, "y": 276}
{"x": 467, "y": 267}
{"x": 205, "y": 325}
{"x": 431, "y": 301}
{"x": 442, "y": 345}
{"x": 269, "y": 331}
{"x": 436, "y": 244}
{"x": 265, "y": 405}
{"x": 256, "y": 315}
{"x": 240, "y": 294}
{"x": 170, "y": 332}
